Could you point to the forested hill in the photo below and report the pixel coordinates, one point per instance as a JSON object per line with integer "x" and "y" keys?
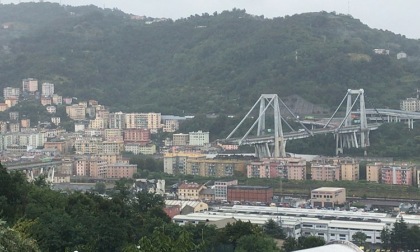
{"x": 219, "y": 62}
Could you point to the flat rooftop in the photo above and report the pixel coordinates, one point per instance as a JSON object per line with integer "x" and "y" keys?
{"x": 248, "y": 187}
{"x": 328, "y": 189}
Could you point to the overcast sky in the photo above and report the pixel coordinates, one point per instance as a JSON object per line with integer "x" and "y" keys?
{"x": 398, "y": 16}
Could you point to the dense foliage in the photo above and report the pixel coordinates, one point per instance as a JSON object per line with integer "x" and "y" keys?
{"x": 41, "y": 219}
{"x": 207, "y": 63}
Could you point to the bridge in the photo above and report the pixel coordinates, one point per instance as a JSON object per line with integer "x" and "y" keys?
{"x": 271, "y": 142}
{"x": 33, "y": 169}
{"x": 391, "y": 115}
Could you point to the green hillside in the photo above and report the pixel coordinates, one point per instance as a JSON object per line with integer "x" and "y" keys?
{"x": 209, "y": 63}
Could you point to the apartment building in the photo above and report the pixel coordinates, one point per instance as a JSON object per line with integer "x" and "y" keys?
{"x": 176, "y": 163}
{"x": 113, "y": 135}
{"x": 102, "y": 113}
{"x": 220, "y": 188}
{"x": 47, "y": 89}
{"x": 397, "y": 175}
{"x": 287, "y": 168}
{"x": 112, "y": 147}
{"x": 171, "y": 125}
{"x": 154, "y": 121}
{"x": 136, "y": 148}
{"x": 120, "y": 170}
{"x": 140, "y": 135}
{"x": 190, "y": 191}
{"x": 111, "y": 158}
{"x": 76, "y": 112}
{"x": 97, "y": 123}
{"x": 373, "y": 172}
{"x": 214, "y": 167}
{"x": 9, "y": 92}
{"x": 325, "y": 172}
{"x": 180, "y": 139}
{"x": 90, "y": 167}
{"x": 88, "y": 145}
{"x": 198, "y": 138}
{"x": 117, "y": 120}
{"x": 136, "y": 121}
{"x": 410, "y": 104}
{"x": 30, "y": 85}
{"x": 350, "y": 171}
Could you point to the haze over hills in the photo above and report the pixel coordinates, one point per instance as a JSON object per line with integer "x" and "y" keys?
{"x": 210, "y": 63}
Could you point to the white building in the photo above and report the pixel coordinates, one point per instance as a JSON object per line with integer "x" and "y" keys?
{"x": 136, "y": 148}
{"x": 51, "y": 109}
{"x": 410, "y": 104}
{"x": 117, "y": 120}
{"x": 329, "y": 224}
{"x": 47, "y": 89}
{"x": 9, "y": 92}
{"x": 401, "y": 55}
{"x": 56, "y": 120}
{"x": 198, "y": 138}
{"x": 220, "y": 189}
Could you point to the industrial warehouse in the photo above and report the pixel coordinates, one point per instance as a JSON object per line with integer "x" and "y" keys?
{"x": 332, "y": 225}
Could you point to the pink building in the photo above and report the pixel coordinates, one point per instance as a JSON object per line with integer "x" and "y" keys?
{"x": 325, "y": 172}
{"x": 396, "y": 175}
{"x": 287, "y": 168}
{"x": 137, "y": 135}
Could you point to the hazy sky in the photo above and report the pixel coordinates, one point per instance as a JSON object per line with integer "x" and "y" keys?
{"x": 398, "y": 16}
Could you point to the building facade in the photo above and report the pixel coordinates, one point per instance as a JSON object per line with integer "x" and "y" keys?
{"x": 397, "y": 175}
{"x": 220, "y": 189}
{"x": 47, "y": 89}
{"x": 214, "y": 167}
{"x": 30, "y": 85}
{"x": 325, "y": 172}
{"x": 373, "y": 172}
{"x": 262, "y": 194}
{"x": 328, "y": 197}
{"x": 198, "y": 138}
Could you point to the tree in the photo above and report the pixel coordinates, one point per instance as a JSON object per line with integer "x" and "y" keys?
{"x": 160, "y": 241}
{"x": 302, "y": 242}
{"x": 256, "y": 243}
{"x": 386, "y": 238}
{"x": 359, "y": 238}
{"x": 310, "y": 242}
{"x": 233, "y": 232}
{"x": 13, "y": 241}
{"x": 290, "y": 244}
{"x": 399, "y": 235}
{"x": 414, "y": 238}
{"x": 273, "y": 229}
{"x": 100, "y": 187}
